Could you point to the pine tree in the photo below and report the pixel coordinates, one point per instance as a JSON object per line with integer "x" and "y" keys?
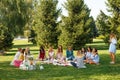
{"x": 110, "y": 24}
{"x": 5, "y": 38}
{"x": 103, "y": 25}
{"x": 76, "y": 28}
{"x": 14, "y": 15}
{"x": 45, "y": 22}
{"x": 114, "y": 8}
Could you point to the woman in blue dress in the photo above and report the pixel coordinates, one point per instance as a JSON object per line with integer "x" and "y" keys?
{"x": 112, "y": 47}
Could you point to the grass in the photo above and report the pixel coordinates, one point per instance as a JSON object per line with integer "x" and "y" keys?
{"x": 104, "y": 71}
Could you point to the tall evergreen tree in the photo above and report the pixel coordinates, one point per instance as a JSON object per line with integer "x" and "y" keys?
{"x": 14, "y": 14}
{"x": 76, "y": 28}
{"x": 114, "y": 8}
{"x": 45, "y": 22}
{"x": 103, "y": 25}
{"x": 110, "y": 24}
{"x": 5, "y": 38}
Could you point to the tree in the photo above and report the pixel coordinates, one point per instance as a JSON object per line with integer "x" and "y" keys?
{"x": 76, "y": 28}
{"x": 45, "y": 22}
{"x": 103, "y": 25}
{"x": 14, "y": 14}
{"x": 5, "y": 38}
{"x": 110, "y": 24}
{"x": 114, "y": 8}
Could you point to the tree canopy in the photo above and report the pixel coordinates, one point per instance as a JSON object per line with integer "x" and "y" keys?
{"x": 110, "y": 24}
{"x": 45, "y": 22}
{"x": 14, "y": 14}
{"x": 76, "y": 28}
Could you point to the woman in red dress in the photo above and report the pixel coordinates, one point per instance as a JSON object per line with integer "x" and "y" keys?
{"x": 42, "y": 53}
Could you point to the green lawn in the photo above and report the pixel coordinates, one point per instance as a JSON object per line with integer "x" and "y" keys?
{"x": 104, "y": 71}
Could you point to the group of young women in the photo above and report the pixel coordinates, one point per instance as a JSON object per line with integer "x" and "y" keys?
{"x": 83, "y": 56}
{"x": 23, "y": 59}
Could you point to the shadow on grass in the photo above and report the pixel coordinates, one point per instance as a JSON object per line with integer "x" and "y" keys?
{"x": 24, "y": 46}
{"x": 52, "y": 72}
{"x": 98, "y": 42}
{"x": 99, "y": 45}
{"x": 13, "y": 52}
{"x": 30, "y": 50}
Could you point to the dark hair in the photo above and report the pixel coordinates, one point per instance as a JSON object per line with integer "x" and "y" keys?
{"x": 96, "y": 50}
{"x": 42, "y": 48}
{"x": 23, "y": 50}
{"x": 89, "y": 48}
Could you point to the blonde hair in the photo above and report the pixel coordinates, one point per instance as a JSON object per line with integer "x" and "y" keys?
{"x": 112, "y": 35}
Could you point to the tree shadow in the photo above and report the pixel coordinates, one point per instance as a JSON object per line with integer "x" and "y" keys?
{"x": 24, "y": 45}
{"x": 99, "y": 47}
{"x": 98, "y": 42}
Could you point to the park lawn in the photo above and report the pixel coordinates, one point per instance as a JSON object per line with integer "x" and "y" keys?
{"x": 104, "y": 71}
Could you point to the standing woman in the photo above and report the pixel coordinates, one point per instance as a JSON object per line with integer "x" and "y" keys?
{"x": 112, "y": 47}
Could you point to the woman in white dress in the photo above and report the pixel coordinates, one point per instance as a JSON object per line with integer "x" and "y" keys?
{"x": 59, "y": 55}
{"x": 17, "y": 55}
{"x": 112, "y": 47}
{"x": 88, "y": 54}
{"x": 51, "y": 54}
{"x": 94, "y": 57}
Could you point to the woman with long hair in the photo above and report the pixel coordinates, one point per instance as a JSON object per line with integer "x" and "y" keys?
{"x": 112, "y": 47}
{"x": 41, "y": 53}
{"x": 59, "y": 54}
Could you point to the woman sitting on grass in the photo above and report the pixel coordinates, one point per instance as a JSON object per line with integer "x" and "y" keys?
{"x": 79, "y": 60}
{"x": 20, "y": 60}
{"x": 88, "y": 54}
{"x": 94, "y": 57}
{"x": 51, "y": 54}
{"x": 83, "y": 51}
{"x": 69, "y": 53}
{"x": 17, "y": 55}
{"x": 59, "y": 55}
{"x": 41, "y": 53}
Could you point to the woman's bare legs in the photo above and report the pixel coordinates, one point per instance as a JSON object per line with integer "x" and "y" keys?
{"x": 112, "y": 55}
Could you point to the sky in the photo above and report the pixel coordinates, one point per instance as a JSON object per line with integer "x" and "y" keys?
{"x": 94, "y": 5}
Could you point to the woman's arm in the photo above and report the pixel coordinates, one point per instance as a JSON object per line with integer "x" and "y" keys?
{"x": 114, "y": 41}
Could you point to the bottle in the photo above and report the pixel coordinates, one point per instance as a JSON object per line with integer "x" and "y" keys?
{"x": 26, "y": 64}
